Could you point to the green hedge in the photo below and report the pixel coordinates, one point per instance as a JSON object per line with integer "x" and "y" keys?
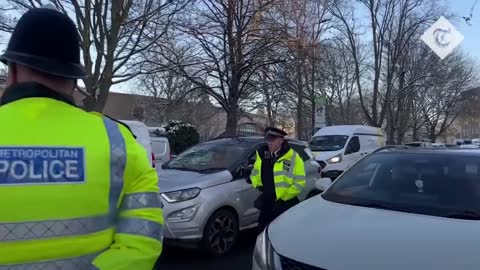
{"x": 181, "y": 136}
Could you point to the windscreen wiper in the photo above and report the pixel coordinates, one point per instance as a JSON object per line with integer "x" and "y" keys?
{"x": 466, "y": 214}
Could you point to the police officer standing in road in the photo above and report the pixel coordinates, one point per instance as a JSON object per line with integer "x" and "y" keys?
{"x": 279, "y": 174}
{"x": 77, "y": 191}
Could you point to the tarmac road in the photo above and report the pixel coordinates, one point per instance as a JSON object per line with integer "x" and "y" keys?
{"x": 240, "y": 258}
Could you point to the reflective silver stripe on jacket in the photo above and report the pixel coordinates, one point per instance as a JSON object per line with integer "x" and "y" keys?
{"x": 53, "y": 228}
{"x": 141, "y": 200}
{"x": 140, "y": 227}
{"x": 77, "y": 263}
{"x": 56, "y": 228}
{"x": 118, "y": 161}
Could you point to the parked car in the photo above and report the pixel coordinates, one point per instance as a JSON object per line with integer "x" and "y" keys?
{"x": 160, "y": 145}
{"x": 337, "y": 148}
{"x": 438, "y": 145}
{"x": 206, "y": 197}
{"x": 420, "y": 144}
{"x": 394, "y": 209}
{"x": 469, "y": 146}
{"x": 140, "y": 130}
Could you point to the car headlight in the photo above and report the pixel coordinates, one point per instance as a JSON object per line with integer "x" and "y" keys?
{"x": 181, "y": 195}
{"x": 265, "y": 257}
{"x": 183, "y": 215}
{"x": 335, "y": 159}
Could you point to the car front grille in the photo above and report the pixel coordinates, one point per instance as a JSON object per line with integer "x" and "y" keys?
{"x": 322, "y": 164}
{"x": 289, "y": 264}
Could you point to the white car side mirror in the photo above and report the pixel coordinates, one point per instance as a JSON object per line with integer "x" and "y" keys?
{"x": 323, "y": 184}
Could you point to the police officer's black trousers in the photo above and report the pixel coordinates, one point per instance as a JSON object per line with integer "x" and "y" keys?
{"x": 271, "y": 210}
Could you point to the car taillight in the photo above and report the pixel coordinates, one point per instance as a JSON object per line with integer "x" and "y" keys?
{"x": 153, "y": 160}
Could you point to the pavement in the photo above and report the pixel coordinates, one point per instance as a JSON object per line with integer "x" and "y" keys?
{"x": 174, "y": 258}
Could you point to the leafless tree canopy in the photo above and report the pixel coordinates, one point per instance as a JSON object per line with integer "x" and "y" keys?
{"x": 113, "y": 33}
{"x": 274, "y": 58}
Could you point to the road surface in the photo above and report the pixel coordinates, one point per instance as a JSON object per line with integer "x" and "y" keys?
{"x": 182, "y": 259}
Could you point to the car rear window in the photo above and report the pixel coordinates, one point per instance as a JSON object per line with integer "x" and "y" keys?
{"x": 159, "y": 147}
{"x": 436, "y": 184}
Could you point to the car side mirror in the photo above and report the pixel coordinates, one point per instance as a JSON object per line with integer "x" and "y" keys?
{"x": 323, "y": 183}
{"x": 245, "y": 172}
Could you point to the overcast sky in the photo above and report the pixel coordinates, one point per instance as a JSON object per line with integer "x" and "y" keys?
{"x": 461, "y": 8}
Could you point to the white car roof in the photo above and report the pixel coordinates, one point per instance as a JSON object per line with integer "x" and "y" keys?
{"x": 141, "y": 132}
{"x": 349, "y": 130}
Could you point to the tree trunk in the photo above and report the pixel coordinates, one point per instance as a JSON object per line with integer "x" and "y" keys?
{"x": 400, "y": 137}
{"x": 231, "y": 128}
{"x": 96, "y": 102}
{"x": 390, "y": 132}
{"x": 313, "y": 117}
{"x": 268, "y": 97}
{"x": 414, "y": 132}
{"x": 299, "y": 79}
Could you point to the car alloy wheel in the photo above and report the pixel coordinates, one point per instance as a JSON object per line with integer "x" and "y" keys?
{"x": 221, "y": 232}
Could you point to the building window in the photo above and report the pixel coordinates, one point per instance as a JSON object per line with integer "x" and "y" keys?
{"x": 248, "y": 129}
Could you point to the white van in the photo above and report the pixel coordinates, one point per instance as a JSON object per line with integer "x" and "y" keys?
{"x": 337, "y": 148}
{"x": 160, "y": 145}
{"x": 140, "y": 130}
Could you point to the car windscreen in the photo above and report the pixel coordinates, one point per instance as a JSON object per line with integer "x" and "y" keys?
{"x": 209, "y": 157}
{"x": 328, "y": 142}
{"x": 442, "y": 184}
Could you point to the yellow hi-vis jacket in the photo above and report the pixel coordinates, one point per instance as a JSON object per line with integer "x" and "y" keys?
{"x": 77, "y": 191}
{"x": 288, "y": 175}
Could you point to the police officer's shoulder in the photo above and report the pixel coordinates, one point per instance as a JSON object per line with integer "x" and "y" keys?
{"x": 115, "y": 120}
{"x": 123, "y": 124}
{"x": 262, "y": 147}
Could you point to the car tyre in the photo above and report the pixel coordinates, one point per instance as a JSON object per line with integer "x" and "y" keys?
{"x": 220, "y": 233}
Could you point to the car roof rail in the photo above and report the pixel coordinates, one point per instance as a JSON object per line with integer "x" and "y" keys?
{"x": 400, "y": 147}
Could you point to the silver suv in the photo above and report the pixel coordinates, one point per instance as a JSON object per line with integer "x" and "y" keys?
{"x": 207, "y": 199}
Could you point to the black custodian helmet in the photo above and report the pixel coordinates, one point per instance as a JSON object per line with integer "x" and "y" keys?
{"x": 272, "y": 132}
{"x": 46, "y": 40}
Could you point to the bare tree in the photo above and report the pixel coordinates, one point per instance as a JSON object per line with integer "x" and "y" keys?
{"x": 113, "y": 33}
{"x": 338, "y": 84}
{"x": 302, "y": 24}
{"x": 450, "y": 79}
